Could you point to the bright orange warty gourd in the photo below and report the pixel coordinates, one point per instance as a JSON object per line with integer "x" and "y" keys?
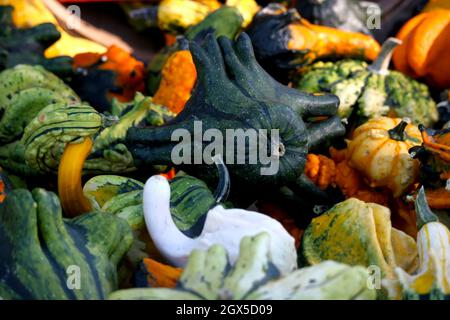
{"x": 424, "y": 51}
{"x": 325, "y": 172}
{"x": 178, "y": 80}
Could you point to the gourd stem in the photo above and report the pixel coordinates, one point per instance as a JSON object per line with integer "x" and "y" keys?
{"x": 398, "y": 133}
{"x": 381, "y": 63}
{"x": 223, "y": 187}
{"x": 153, "y": 145}
{"x": 424, "y": 214}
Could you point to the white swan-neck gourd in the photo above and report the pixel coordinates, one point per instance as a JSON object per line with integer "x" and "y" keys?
{"x": 222, "y": 226}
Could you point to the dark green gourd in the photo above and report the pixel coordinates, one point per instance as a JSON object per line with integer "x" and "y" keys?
{"x": 42, "y": 254}
{"x": 27, "y": 46}
{"x": 234, "y": 92}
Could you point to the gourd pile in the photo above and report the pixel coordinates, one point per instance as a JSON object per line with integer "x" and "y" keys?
{"x": 94, "y": 206}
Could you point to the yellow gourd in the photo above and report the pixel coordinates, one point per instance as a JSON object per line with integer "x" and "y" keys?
{"x": 247, "y": 8}
{"x": 29, "y": 13}
{"x": 184, "y": 13}
{"x": 70, "y": 191}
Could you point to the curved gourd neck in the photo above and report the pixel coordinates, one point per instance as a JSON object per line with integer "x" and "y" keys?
{"x": 424, "y": 214}
{"x": 381, "y": 64}
{"x": 158, "y": 217}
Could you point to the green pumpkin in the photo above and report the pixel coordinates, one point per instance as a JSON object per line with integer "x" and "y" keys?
{"x": 358, "y": 233}
{"x": 233, "y": 92}
{"x": 42, "y": 254}
{"x": 27, "y": 45}
{"x": 370, "y": 91}
{"x": 209, "y": 275}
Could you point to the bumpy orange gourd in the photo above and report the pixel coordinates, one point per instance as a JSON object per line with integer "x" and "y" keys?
{"x": 178, "y": 80}
{"x": 336, "y": 172}
{"x": 424, "y": 51}
{"x": 320, "y": 169}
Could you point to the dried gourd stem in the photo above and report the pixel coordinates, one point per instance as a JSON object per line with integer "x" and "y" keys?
{"x": 398, "y": 133}
{"x": 381, "y": 64}
{"x": 85, "y": 29}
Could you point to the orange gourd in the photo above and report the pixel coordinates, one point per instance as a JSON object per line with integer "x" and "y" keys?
{"x": 337, "y": 172}
{"x": 436, "y": 4}
{"x": 424, "y": 51}
{"x": 320, "y": 169}
{"x": 161, "y": 275}
{"x": 178, "y": 80}
{"x": 323, "y": 41}
{"x": 379, "y": 151}
{"x": 284, "y": 39}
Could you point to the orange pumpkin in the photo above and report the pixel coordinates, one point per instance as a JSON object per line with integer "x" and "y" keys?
{"x": 424, "y": 51}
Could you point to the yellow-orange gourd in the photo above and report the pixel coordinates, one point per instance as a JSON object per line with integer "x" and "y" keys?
{"x": 424, "y": 51}
{"x": 70, "y": 190}
{"x": 379, "y": 150}
{"x": 178, "y": 80}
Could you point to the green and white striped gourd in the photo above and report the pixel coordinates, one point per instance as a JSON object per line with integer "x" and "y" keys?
{"x": 40, "y": 114}
{"x": 43, "y": 256}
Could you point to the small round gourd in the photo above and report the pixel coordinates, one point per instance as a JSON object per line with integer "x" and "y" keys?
{"x": 379, "y": 150}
